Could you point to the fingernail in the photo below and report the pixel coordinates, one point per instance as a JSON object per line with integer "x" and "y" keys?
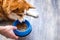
{"x": 17, "y": 37}
{"x": 15, "y": 27}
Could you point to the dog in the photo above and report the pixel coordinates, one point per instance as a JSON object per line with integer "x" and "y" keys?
{"x": 13, "y": 9}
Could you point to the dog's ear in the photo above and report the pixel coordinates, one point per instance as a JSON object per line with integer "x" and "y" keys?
{"x": 30, "y": 6}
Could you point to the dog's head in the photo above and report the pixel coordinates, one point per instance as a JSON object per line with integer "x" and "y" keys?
{"x": 15, "y": 8}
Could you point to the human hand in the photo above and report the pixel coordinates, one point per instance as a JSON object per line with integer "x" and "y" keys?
{"x": 8, "y": 31}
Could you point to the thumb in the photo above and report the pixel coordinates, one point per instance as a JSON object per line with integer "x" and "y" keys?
{"x": 14, "y": 28}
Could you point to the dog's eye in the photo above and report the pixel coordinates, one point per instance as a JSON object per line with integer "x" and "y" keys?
{"x": 20, "y": 15}
{"x": 16, "y": 11}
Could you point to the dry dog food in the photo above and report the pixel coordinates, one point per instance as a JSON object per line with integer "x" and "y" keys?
{"x": 22, "y": 26}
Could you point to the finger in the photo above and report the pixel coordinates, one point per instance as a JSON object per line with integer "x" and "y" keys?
{"x": 13, "y": 36}
{"x": 14, "y": 28}
{"x": 10, "y": 27}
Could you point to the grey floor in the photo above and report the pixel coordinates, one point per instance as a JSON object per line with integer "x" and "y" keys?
{"x": 47, "y": 26}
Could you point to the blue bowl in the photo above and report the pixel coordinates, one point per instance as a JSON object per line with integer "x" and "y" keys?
{"x": 25, "y": 32}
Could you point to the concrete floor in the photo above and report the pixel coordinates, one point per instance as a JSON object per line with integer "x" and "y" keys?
{"x": 47, "y": 26}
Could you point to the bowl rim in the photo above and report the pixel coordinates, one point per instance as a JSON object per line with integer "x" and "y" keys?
{"x": 25, "y": 32}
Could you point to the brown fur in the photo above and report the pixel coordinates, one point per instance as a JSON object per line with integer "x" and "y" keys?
{"x": 7, "y": 7}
